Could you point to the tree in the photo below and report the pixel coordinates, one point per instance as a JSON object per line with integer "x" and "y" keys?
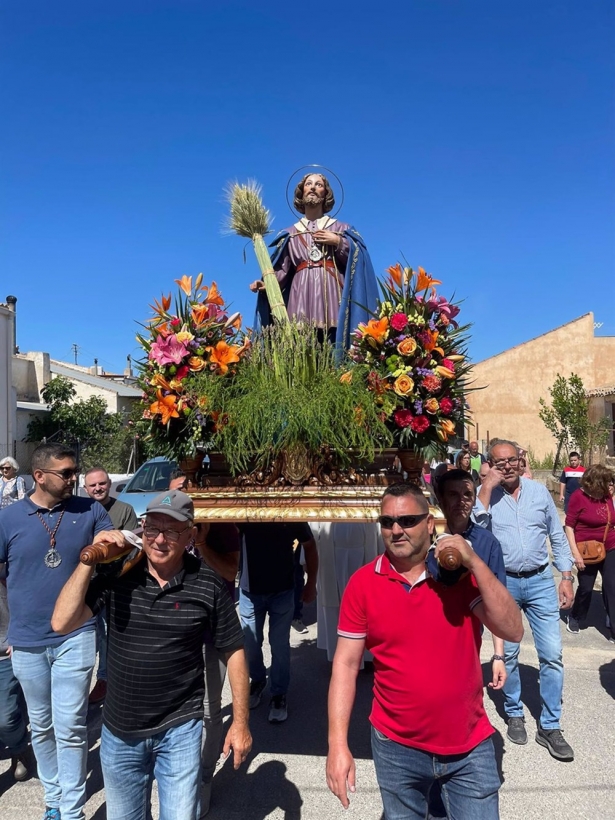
{"x": 567, "y": 418}
{"x": 101, "y": 437}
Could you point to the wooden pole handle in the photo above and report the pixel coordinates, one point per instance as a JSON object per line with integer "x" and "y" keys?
{"x": 450, "y": 558}
{"x": 103, "y": 553}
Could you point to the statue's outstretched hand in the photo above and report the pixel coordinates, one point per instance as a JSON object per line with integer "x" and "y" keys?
{"x": 256, "y": 286}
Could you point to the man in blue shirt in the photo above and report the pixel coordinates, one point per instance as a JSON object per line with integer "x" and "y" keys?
{"x": 456, "y": 496}
{"x": 522, "y": 515}
{"x": 41, "y": 538}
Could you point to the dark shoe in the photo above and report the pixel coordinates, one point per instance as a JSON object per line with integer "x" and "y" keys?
{"x": 553, "y": 740}
{"x": 573, "y": 625}
{"x": 516, "y": 731}
{"x": 256, "y": 692}
{"x": 299, "y": 626}
{"x": 99, "y": 692}
{"x": 51, "y": 814}
{"x": 277, "y": 709}
{"x": 20, "y": 767}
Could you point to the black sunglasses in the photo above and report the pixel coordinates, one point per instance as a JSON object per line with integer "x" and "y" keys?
{"x": 65, "y": 475}
{"x": 406, "y": 522}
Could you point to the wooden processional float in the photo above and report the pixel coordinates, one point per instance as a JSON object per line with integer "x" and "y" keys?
{"x": 267, "y": 505}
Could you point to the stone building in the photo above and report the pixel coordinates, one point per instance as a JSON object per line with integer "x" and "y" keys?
{"x": 516, "y": 379}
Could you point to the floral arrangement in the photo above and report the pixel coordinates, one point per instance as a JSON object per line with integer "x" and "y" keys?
{"x": 412, "y": 356}
{"x": 197, "y": 337}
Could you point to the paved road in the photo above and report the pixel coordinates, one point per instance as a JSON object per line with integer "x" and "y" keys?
{"x": 284, "y": 779}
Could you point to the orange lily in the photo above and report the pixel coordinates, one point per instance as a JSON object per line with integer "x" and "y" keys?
{"x": 396, "y": 274}
{"x": 433, "y": 335}
{"x": 376, "y": 328}
{"x": 165, "y": 406}
{"x": 199, "y": 314}
{"x": 222, "y": 355}
{"x": 185, "y": 284}
{"x": 161, "y": 307}
{"x": 424, "y": 280}
{"x": 213, "y": 296}
{"x": 160, "y": 381}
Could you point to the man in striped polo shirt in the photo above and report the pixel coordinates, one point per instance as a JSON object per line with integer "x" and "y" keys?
{"x": 153, "y": 714}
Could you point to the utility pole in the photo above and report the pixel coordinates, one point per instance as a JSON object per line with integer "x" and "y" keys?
{"x": 75, "y": 349}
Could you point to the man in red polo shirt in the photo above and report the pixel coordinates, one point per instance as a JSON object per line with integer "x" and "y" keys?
{"x": 428, "y": 720}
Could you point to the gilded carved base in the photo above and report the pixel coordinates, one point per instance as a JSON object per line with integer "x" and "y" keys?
{"x": 359, "y": 504}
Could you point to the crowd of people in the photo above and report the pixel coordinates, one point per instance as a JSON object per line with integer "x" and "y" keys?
{"x": 178, "y": 605}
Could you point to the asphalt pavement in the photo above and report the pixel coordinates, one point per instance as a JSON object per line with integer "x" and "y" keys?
{"x": 284, "y": 776}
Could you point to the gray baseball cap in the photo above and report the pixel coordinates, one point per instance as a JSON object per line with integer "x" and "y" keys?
{"x": 173, "y": 503}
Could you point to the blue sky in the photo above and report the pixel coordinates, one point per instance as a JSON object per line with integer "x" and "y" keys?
{"x": 475, "y": 138}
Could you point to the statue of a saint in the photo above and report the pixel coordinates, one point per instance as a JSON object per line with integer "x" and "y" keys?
{"x": 323, "y": 267}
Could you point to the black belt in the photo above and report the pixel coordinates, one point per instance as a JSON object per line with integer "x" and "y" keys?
{"x": 528, "y": 573}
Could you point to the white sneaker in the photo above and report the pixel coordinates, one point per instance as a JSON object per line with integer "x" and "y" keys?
{"x": 299, "y": 626}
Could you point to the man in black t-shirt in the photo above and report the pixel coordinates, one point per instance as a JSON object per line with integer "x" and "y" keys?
{"x": 158, "y": 613}
{"x": 267, "y": 588}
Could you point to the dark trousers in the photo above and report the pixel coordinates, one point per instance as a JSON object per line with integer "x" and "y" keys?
{"x": 587, "y": 579}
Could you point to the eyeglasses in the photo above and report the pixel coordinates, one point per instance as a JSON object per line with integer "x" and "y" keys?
{"x": 502, "y": 462}
{"x": 406, "y": 522}
{"x": 65, "y": 475}
{"x": 5, "y": 468}
{"x": 151, "y": 533}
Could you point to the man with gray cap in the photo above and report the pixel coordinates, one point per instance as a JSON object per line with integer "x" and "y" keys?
{"x": 158, "y": 611}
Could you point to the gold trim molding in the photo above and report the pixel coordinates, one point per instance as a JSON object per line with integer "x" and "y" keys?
{"x": 358, "y": 504}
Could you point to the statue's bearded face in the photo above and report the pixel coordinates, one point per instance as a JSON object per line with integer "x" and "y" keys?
{"x": 314, "y": 190}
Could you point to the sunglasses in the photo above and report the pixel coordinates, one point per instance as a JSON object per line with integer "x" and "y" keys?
{"x": 6, "y": 468}
{"x": 65, "y": 475}
{"x": 406, "y": 522}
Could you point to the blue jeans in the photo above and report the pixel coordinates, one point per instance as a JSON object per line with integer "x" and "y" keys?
{"x": 252, "y": 611}
{"x": 55, "y": 682}
{"x": 469, "y": 782}
{"x": 101, "y": 645}
{"x": 13, "y": 732}
{"x": 537, "y": 597}
{"x": 173, "y": 757}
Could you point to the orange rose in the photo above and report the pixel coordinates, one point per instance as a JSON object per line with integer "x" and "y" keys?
{"x": 431, "y": 406}
{"x": 346, "y": 378}
{"x": 407, "y": 347}
{"x": 195, "y": 363}
{"x": 403, "y": 385}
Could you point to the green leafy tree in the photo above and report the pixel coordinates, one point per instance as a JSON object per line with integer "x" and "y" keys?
{"x": 567, "y": 418}
{"x": 101, "y": 437}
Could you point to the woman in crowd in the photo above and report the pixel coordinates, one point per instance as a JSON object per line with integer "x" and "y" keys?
{"x": 591, "y": 517}
{"x": 463, "y": 462}
{"x": 12, "y": 486}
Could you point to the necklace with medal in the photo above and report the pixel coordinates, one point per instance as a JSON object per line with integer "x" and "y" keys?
{"x": 52, "y": 558}
{"x": 314, "y": 253}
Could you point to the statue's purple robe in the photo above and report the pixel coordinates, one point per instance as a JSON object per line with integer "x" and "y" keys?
{"x": 315, "y": 292}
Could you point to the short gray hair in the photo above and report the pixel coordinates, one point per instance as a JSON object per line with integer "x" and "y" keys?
{"x": 498, "y": 443}
{"x": 11, "y": 461}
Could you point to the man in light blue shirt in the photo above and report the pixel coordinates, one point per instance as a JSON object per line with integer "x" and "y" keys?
{"x": 522, "y": 515}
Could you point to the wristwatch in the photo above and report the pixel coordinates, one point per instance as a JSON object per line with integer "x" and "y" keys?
{"x": 567, "y": 577}
{"x": 497, "y": 658}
